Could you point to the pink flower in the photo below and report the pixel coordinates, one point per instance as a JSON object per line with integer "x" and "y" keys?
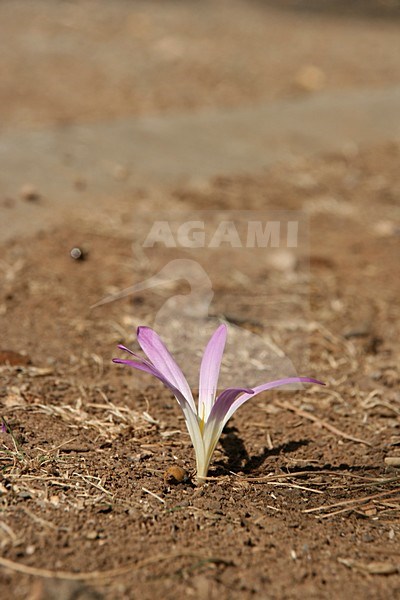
{"x": 206, "y": 421}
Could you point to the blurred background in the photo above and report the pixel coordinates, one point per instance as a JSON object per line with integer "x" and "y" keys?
{"x": 108, "y": 96}
{"x": 72, "y": 61}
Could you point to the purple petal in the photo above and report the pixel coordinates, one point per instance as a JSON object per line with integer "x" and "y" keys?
{"x": 191, "y": 419}
{"x": 225, "y": 400}
{"x": 145, "y": 366}
{"x": 235, "y": 404}
{"x": 125, "y": 349}
{"x": 228, "y": 402}
{"x": 216, "y": 422}
{"x": 148, "y": 368}
{"x": 141, "y": 366}
{"x": 163, "y": 361}
{"x": 209, "y": 371}
{"x": 139, "y": 358}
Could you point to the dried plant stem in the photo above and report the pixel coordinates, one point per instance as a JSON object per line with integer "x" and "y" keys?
{"x": 352, "y": 501}
{"x": 320, "y": 422}
{"x": 107, "y": 574}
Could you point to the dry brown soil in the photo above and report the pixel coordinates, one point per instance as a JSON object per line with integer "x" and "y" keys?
{"x": 303, "y": 499}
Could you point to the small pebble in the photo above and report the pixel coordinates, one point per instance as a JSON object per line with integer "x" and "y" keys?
{"x": 392, "y": 461}
{"x": 12, "y": 358}
{"x": 77, "y": 254}
{"x": 175, "y": 475}
{"x": 310, "y": 78}
{"x": 385, "y": 228}
{"x": 29, "y": 192}
{"x": 120, "y": 173}
{"x": 80, "y": 184}
{"x": 8, "y": 203}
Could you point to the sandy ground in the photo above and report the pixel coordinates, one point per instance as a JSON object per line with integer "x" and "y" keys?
{"x": 304, "y": 492}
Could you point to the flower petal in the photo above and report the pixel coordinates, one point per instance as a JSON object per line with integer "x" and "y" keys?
{"x": 227, "y": 403}
{"x": 224, "y": 402}
{"x": 215, "y": 423}
{"x": 236, "y": 403}
{"x": 125, "y": 349}
{"x": 143, "y": 365}
{"x": 163, "y": 361}
{"x": 191, "y": 419}
{"x": 209, "y": 371}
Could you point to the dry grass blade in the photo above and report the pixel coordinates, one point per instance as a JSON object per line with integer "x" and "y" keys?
{"x": 391, "y": 504}
{"x": 294, "y": 485}
{"x": 278, "y": 476}
{"x": 39, "y": 520}
{"x": 87, "y": 479}
{"x": 372, "y": 568}
{"x": 352, "y": 501}
{"x": 341, "y": 511}
{"x": 320, "y": 422}
{"x": 154, "y": 495}
{"x": 106, "y": 574}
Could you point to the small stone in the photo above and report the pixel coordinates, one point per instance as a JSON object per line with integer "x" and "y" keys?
{"x": 8, "y": 203}
{"x": 175, "y": 475}
{"x": 381, "y": 568}
{"x": 310, "y": 78}
{"x": 77, "y": 253}
{"x": 29, "y": 193}
{"x": 120, "y": 173}
{"x": 80, "y": 184}
{"x": 104, "y": 508}
{"x": 385, "y": 228}
{"x": 14, "y": 359}
{"x": 282, "y": 260}
{"x": 24, "y": 495}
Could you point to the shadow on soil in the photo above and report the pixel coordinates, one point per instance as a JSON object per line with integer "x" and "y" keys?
{"x": 376, "y": 9}
{"x": 238, "y": 459}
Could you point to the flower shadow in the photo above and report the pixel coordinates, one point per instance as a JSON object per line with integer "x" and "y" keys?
{"x": 238, "y": 459}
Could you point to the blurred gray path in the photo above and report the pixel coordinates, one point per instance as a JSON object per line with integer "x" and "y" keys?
{"x": 71, "y": 165}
